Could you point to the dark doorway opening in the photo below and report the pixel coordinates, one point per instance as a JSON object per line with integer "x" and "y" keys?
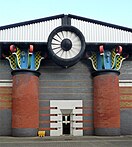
{"x": 66, "y": 124}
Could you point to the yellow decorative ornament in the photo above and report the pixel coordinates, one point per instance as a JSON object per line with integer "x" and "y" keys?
{"x": 41, "y": 133}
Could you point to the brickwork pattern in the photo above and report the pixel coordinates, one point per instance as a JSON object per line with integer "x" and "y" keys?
{"x": 106, "y": 101}
{"x": 5, "y": 98}
{"x": 25, "y": 107}
{"x": 126, "y": 97}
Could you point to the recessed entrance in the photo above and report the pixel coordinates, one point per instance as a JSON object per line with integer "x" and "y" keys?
{"x": 66, "y": 124}
{"x": 65, "y": 119}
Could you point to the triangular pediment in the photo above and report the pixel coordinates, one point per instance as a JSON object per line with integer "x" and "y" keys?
{"x": 39, "y": 30}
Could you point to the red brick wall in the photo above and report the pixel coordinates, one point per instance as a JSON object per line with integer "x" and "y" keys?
{"x": 126, "y": 97}
{"x": 106, "y": 101}
{"x": 25, "y": 107}
{"x": 5, "y": 98}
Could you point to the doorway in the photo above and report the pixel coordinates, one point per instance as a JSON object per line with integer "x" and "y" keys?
{"x": 66, "y": 124}
{"x": 64, "y": 120}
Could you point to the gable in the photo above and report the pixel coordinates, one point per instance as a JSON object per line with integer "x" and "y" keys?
{"x": 39, "y": 30}
{"x": 32, "y": 32}
{"x": 102, "y": 34}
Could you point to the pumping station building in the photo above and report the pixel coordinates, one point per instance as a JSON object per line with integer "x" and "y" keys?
{"x": 65, "y": 75}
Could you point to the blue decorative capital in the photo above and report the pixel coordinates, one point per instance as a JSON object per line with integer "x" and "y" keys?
{"x": 107, "y": 59}
{"x": 24, "y": 58}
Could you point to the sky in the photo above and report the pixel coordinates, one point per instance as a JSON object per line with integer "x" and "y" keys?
{"x": 112, "y": 11}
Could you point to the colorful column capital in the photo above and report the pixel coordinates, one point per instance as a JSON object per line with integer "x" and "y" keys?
{"x": 105, "y": 59}
{"x": 24, "y": 58}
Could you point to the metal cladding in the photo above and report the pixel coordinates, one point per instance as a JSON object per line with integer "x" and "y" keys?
{"x": 106, "y": 104}
{"x": 100, "y": 33}
{"x": 35, "y": 32}
{"x": 25, "y": 106}
{"x": 39, "y": 30}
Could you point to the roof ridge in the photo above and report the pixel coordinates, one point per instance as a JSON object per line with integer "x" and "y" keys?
{"x": 101, "y": 22}
{"x": 61, "y": 16}
{"x": 31, "y": 21}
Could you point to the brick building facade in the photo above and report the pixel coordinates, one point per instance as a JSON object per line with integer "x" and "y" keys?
{"x": 66, "y": 75}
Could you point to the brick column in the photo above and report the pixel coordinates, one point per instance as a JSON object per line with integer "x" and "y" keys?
{"x": 25, "y": 104}
{"x": 106, "y": 102}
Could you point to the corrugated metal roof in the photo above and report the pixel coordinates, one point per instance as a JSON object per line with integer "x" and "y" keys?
{"x": 38, "y": 30}
{"x": 35, "y": 32}
{"x": 99, "y": 33}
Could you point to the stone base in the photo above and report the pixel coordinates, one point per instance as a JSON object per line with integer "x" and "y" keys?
{"x": 24, "y": 132}
{"x": 5, "y": 122}
{"x": 107, "y": 131}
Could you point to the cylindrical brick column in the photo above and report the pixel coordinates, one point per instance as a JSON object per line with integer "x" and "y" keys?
{"x": 106, "y": 102}
{"x": 25, "y": 104}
